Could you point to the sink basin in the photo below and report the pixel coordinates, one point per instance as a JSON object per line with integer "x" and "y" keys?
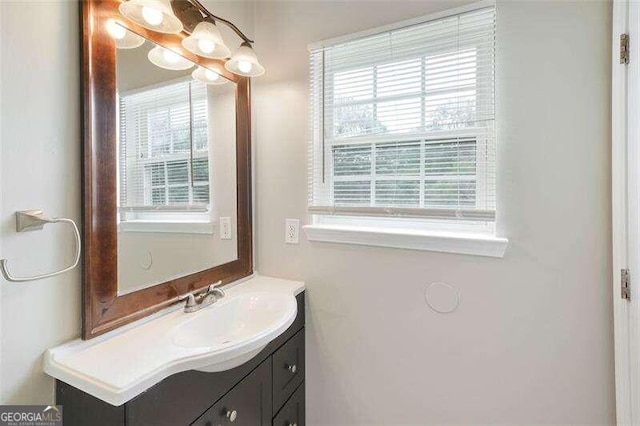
{"x": 119, "y": 365}
{"x": 238, "y": 327}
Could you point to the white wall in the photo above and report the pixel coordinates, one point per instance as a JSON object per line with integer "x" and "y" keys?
{"x": 532, "y": 340}
{"x": 39, "y": 168}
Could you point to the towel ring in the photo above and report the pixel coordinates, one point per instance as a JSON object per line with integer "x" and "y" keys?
{"x": 34, "y": 220}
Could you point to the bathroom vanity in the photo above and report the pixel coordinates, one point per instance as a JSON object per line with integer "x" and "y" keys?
{"x": 177, "y": 327}
{"x": 108, "y": 381}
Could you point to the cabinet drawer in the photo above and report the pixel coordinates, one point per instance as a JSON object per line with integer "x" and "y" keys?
{"x": 247, "y": 404}
{"x": 288, "y": 369}
{"x": 292, "y": 414}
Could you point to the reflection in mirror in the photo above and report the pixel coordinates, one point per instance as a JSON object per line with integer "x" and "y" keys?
{"x": 176, "y": 166}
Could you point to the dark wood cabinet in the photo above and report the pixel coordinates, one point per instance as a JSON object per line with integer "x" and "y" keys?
{"x": 292, "y": 414}
{"x": 247, "y": 404}
{"x": 268, "y": 389}
{"x": 288, "y": 369}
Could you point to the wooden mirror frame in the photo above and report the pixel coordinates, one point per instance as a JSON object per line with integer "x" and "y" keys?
{"x": 103, "y": 308}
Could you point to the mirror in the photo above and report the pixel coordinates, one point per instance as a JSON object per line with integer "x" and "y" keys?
{"x": 166, "y": 167}
{"x": 176, "y": 145}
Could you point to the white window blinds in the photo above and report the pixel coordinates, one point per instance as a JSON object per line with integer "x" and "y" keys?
{"x": 164, "y": 149}
{"x": 403, "y": 122}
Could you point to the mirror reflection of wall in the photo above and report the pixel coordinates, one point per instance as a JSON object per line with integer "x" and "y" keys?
{"x": 176, "y": 167}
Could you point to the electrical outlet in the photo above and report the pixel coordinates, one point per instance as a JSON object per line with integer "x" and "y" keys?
{"x": 225, "y": 228}
{"x": 291, "y": 231}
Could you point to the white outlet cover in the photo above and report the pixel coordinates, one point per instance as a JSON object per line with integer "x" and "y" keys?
{"x": 292, "y": 231}
{"x": 225, "y": 228}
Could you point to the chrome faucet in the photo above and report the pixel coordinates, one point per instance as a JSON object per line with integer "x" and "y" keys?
{"x": 204, "y": 299}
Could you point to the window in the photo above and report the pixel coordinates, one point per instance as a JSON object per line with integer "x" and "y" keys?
{"x": 403, "y": 127}
{"x": 437, "y": 173}
{"x": 164, "y": 153}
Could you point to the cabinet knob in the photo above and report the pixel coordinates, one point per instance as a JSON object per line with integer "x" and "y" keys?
{"x": 293, "y": 368}
{"x": 231, "y": 415}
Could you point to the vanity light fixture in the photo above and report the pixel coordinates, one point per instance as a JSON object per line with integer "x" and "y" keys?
{"x": 156, "y": 15}
{"x": 124, "y": 38}
{"x": 168, "y": 59}
{"x": 245, "y": 62}
{"x": 206, "y": 40}
{"x": 208, "y": 76}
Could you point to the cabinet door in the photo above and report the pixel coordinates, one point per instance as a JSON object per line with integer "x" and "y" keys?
{"x": 81, "y": 409}
{"x": 247, "y": 404}
{"x": 292, "y": 414}
{"x": 288, "y": 369}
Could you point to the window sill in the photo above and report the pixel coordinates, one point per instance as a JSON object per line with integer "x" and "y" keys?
{"x": 473, "y": 244}
{"x": 167, "y": 227}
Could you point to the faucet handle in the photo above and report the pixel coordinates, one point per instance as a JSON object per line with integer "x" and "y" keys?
{"x": 191, "y": 300}
{"x": 215, "y": 290}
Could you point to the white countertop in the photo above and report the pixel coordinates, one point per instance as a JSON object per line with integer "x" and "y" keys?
{"x": 123, "y": 363}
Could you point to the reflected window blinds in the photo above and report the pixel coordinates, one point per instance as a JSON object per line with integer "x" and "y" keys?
{"x": 164, "y": 149}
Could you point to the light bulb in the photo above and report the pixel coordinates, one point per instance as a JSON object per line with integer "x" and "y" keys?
{"x": 170, "y": 56}
{"x": 244, "y": 66}
{"x": 116, "y": 31}
{"x": 206, "y": 45}
{"x": 213, "y": 76}
{"x": 151, "y": 15}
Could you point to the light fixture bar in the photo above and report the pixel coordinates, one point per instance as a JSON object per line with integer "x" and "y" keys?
{"x": 230, "y": 24}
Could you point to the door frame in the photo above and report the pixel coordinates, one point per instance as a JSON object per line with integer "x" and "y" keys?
{"x": 625, "y": 208}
